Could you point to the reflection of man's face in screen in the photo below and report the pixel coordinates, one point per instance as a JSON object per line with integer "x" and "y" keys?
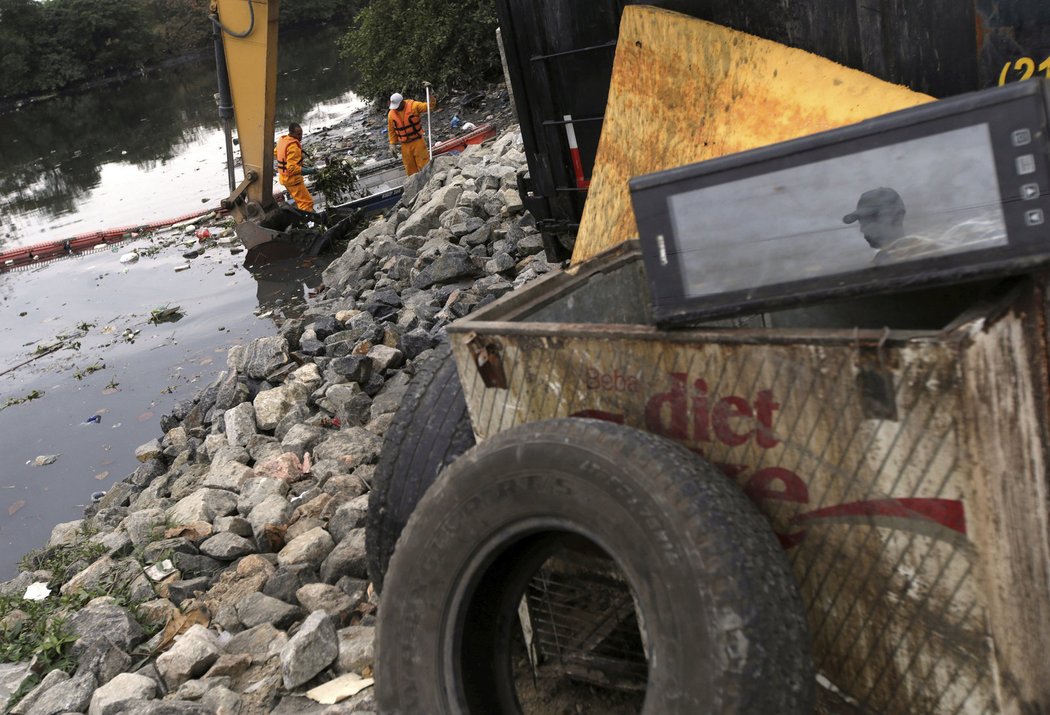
{"x": 880, "y": 213}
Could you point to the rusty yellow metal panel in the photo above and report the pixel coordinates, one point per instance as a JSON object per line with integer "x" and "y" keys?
{"x": 904, "y": 472}
{"x": 252, "y": 65}
{"x": 854, "y": 456}
{"x": 684, "y": 90}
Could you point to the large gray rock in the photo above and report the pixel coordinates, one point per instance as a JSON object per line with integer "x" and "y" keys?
{"x": 273, "y": 511}
{"x": 227, "y": 474}
{"x": 301, "y": 438}
{"x": 286, "y": 580}
{"x": 272, "y": 405}
{"x": 70, "y": 696}
{"x": 446, "y": 268}
{"x": 350, "y": 447}
{"x": 49, "y": 681}
{"x": 312, "y": 649}
{"x": 113, "y": 697}
{"x": 109, "y": 621}
{"x": 226, "y": 546}
{"x": 65, "y": 533}
{"x": 311, "y": 548}
{"x": 191, "y": 655}
{"x": 144, "y": 526}
{"x": 92, "y": 577}
{"x": 348, "y": 558}
{"x": 262, "y": 357}
{"x": 257, "y": 609}
{"x": 348, "y": 516}
{"x": 356, "y": 648}
{"x": 327, "y": 598}
{"x": 12, "y": 675}
{"x": 261, "y": 642}
{"x": 256, "y": 489}
{"x": 384, "y": 357}
{"x": 203, "y": 505}
{"x": 240, "y": 424}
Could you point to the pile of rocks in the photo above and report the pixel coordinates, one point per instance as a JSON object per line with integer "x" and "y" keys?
{"x": 243, "y": 528}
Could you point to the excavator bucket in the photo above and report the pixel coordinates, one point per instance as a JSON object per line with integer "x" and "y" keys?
{"x": 684, "y": 90}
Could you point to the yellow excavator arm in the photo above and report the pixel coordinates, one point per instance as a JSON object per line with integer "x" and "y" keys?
{"x": 247, "y": 55}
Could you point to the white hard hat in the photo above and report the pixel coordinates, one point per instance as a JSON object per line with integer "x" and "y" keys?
{"x": 395, "y": 100}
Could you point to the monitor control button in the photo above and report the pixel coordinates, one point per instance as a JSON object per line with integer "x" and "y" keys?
{"x": 1030, "y": 191}
{"x": 1021, "y": 137}
{"x": 1025, "y": 164}
{"x": 1033, "y": 217}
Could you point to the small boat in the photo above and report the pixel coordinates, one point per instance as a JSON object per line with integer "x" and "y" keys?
{"x": 380, "y": 185}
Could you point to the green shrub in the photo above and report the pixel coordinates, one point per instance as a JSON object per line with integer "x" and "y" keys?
{"x": 396, "y": 45}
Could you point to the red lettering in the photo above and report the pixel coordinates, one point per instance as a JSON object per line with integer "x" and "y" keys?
{"x": 726, "y": 409}
{"x": 794, "y": 489}
{"x": 701, "y": 413}
{"x": 674, "y": 400}
{"x": 764, "y": 407}
{"x": 760, "y": 487}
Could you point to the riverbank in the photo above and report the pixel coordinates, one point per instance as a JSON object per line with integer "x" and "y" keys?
{"x": 228, "y": 570}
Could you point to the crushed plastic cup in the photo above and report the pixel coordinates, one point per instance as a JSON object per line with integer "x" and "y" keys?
{"x": 94, "y": 419}
{"x": 96, "y": 497}
{"x": 456, "y": 121}
{"x": 203, "y": 233}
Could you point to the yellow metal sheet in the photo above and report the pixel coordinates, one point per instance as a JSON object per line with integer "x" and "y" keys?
{"x": 684, "y": 90}
{"x": 252, "y": 65}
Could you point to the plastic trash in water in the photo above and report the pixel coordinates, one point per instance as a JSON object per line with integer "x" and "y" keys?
{"x": 94, "y": 419}
{"x": 129, "y": 257}
{"x": 96, "y": 497}
{"x": 203, "y": 234}
{"x": 469, "y": 126}
{"x": 456, "y": 121}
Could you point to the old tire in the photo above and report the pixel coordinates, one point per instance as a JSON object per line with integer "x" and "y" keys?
{"x": 430, "y": 429}
{"x": 723, "y": 617}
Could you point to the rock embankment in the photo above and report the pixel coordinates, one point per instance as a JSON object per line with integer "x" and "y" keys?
{"x": 227, "y": 573}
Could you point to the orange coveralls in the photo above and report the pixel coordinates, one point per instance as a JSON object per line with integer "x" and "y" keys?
{"x": 404, "y": 127}
{"x": 289, "y": 155}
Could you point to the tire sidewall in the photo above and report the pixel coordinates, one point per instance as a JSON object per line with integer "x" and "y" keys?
{"x": 527, "y": 487}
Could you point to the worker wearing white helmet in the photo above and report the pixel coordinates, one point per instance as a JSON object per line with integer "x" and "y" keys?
{"x": 404, "y": 127}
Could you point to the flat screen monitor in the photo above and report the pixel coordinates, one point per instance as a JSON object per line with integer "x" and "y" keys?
{"x": 949, "y": 191}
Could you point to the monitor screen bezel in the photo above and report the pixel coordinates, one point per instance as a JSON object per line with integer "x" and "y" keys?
{"x": 1000, "y": 108}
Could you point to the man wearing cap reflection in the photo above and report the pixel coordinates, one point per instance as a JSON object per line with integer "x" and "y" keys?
{"x": 404, "y": 127}
{"x": 880, "y": 214}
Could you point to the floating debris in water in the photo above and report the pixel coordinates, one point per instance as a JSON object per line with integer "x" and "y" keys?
{"x": 129, "y": 257}
{"x": 94, "y": 419}
{"x": 96, "y": 497}
{"x": 183, "y": 267}
{"x": 45, "y": 459}
{"x": 165, "y": 315}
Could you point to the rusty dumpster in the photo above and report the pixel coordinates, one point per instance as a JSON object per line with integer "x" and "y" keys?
{"x": 903, "y": 468}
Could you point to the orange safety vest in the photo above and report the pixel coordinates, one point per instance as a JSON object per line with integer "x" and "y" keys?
{"x": 407, "y": 125}
{"x": 288, "y": 169}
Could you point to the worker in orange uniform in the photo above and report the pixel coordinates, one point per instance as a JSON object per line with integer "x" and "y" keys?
{"x": 290, "y": 169}
{"x": 404, "y": 127}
